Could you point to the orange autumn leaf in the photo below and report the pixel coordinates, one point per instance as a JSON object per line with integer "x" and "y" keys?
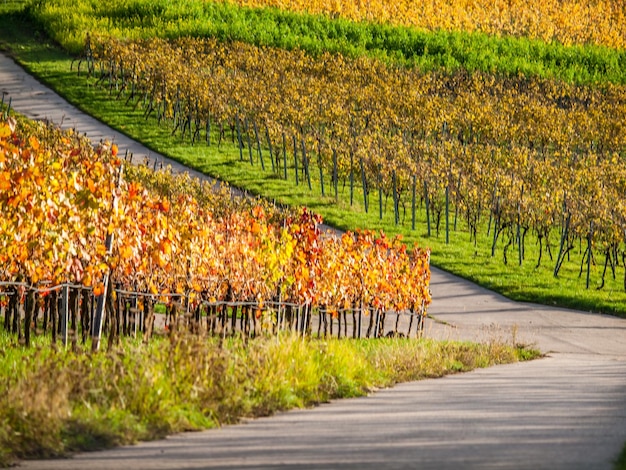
{"x": 5, "y": 180}
{"x": 98, "y": 289}
{"x": 34, "y": 143}
{"x": 166, "y": 247}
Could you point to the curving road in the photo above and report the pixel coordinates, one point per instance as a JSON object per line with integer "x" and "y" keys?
{"x": 565, "y": 411}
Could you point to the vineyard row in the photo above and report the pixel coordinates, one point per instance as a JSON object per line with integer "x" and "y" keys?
{"x": 579, "y": 58}
{"x": 70, "y": 214}
{"x": 531, "y": 156}
{"x": 573, "y": 22}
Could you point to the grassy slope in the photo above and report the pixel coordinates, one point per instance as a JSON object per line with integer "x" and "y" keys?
{"x": 460, "y": 256}
{"x": 145, "y": 391}
{"x": 51, "y": 64}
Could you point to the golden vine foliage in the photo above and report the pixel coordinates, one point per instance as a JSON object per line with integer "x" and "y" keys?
{"x": 601, "y": 22}
{"x": 528, "y": 150}
{"x": 290, "y": 91}
{"x": 60, "y": 198}
{"x": 55, "y": 196}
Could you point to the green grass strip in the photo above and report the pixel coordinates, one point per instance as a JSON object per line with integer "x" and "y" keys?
{"x": 69, "y": 21}
{"x": 139, "y": 391}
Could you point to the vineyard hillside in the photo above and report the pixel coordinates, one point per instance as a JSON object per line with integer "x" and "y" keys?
{"x": 496, "y": 139}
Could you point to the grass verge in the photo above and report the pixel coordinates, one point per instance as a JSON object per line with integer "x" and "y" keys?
{"x": 136, "y": 391}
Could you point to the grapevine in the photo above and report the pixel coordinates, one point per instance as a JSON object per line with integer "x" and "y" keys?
{"x": 59, "y": 199}
{"x": 527, "y": 153}
{"x": 574, "y": 22}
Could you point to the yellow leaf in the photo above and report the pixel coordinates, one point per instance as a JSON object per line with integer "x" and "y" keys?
{"x": 126, "y": 252}
{"x": 5, "y": 131}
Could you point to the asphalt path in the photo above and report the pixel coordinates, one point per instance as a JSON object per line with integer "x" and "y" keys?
{"x": 564, "y": 411}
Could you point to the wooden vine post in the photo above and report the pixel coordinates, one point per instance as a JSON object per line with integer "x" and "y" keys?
{"x": 258, "y": 145}
{"x": 413, "y": 205}
{"x": 247, "y": 131}
{"x": 351, "y": 178}
{"x": 320, "y": 165}
{"x": 364, "y": 185}
{"x": 380, "y": 193}
{"x": 447, "y": 215}
{"x": 295, "y": 158}
{"x": 284, "y": 157}
{"x": 335, "y": 175}
{"x": 98, "y": 319}
{"x": 65, "y": 308}
{"x": 305, "y": 164}
{"x": 269, "y": 144}
{"x": 396, "y": 212}
{"x": 427, "y": 207}
{"x": 589, "y": 252}
{"x": 239, "y": 140}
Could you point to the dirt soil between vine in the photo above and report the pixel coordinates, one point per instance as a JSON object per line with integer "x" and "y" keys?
{"x": 564, "y": 411}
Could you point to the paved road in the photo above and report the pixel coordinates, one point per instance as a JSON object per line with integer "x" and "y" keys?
{"x": 566, "y": 411}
